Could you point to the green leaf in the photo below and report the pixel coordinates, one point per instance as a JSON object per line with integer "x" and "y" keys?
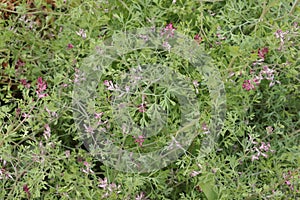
{"x": 207, "y": 186}
{"x": 209, "y": 191}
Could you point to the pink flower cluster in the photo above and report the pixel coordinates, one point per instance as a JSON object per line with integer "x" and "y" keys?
{"x": 265, "y": 73}
{"x": 198, "y": 38}
{"x": 87, "y": 169}
{"x": 4, "y": 174}
{"x": 110, "y": 85}
{"x": 79, "y": 76}
{"x": 261, "y": 54}
{"x": 261, "y": 150}
{"x": 288, "y": 178}
{"x": 140, "y": 139}
{"x": 281, "y": 35}
{"x": 41, "y": 87}
{"x": 248, "y": 85}
{"x": 141, "y": 196}
{"x": 219, "y": 36}
{"x": 142, "y": 107}
{"x": 25, "y": 83}
{"x": 109, "y": 188}
{"x": 169, "y": 30}
{"x": 81, "y": 33}
{"x": 47, "y": 132}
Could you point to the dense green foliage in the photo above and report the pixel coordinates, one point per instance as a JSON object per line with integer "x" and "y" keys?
{"x": 253, "y": 44}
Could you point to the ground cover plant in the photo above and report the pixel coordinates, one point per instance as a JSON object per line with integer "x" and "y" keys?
{"x": 253, "y": 46}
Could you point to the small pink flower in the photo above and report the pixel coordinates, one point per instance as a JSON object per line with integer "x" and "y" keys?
{"x": 98, "y": 115}
{"x": 25, "y": 83}
{"x": 26, "y": 190}
{"x": 195, "y": 173}
{"x": 41, "y": 87}
{"x": 269, "y": 129}
{"x": 18, "y": 111}
{"x": 168, "y": 30}
{"x": 142, "y": 108}
{"x": 254, "y": 157}
{"x": 252, "y": 140}
{"x": 26, "y": 116}
{"x": 47, "y": 132}
{"x": 41, "y": 84}
{"x": 205, "y": 128}
{"x": 51, "y": 113}
{"x": 167, "y": 46}
{"x": 288, "y": 182}
{"x": 70, "y": 46}
{"x": 281, "y": 35}
{"x": 3, "y": 172}
{"x": 140, "y": 196}
{"x": 81, "y": 33}
{"x": 88, "y": 129}
{"x": 78, "y": 76}
{"x": 20, "y": 63}
{"x": 140, "y": 139}
{"x": 195, "y": 83}
{"x": 87, "y": 170}
{"x": 67, "y": 153}
{"x": 64, "y": 85}
{"x": 247, "y": 85}
{"x": 256, "y": 81}
{"x": 102, "y": 183}
{"x": 220, "y": 37}
{"x": 110, "y": 85}
{"x": 262, "y": 52}
{"x": 197, "y": 38}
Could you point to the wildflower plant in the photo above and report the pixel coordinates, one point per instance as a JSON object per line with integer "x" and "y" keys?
{"x": 145, "y": 99}
{"x": 149, "y": 99}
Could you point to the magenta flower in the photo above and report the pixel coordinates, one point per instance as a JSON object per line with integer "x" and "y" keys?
{"x": 41, "y": 87}
{"x": 18, "y": 111}
{"x": 168, "y": 30}
{"x": 247, "y": 85}
{"x": 87, "y": 169}
{"x": 25, "y": 83}
{"x": 197, "y": 38}
{"x": 262, "y": 52}
{"x": 26, "y": 190}
{"x": 109, "y": 188}
{"x": 140, "y": 139}
{"x": 20, "y": 63}
{"x": 142, "y": 108}
{"x": 70, "y": 46}
{"x": 26, "y": 116}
